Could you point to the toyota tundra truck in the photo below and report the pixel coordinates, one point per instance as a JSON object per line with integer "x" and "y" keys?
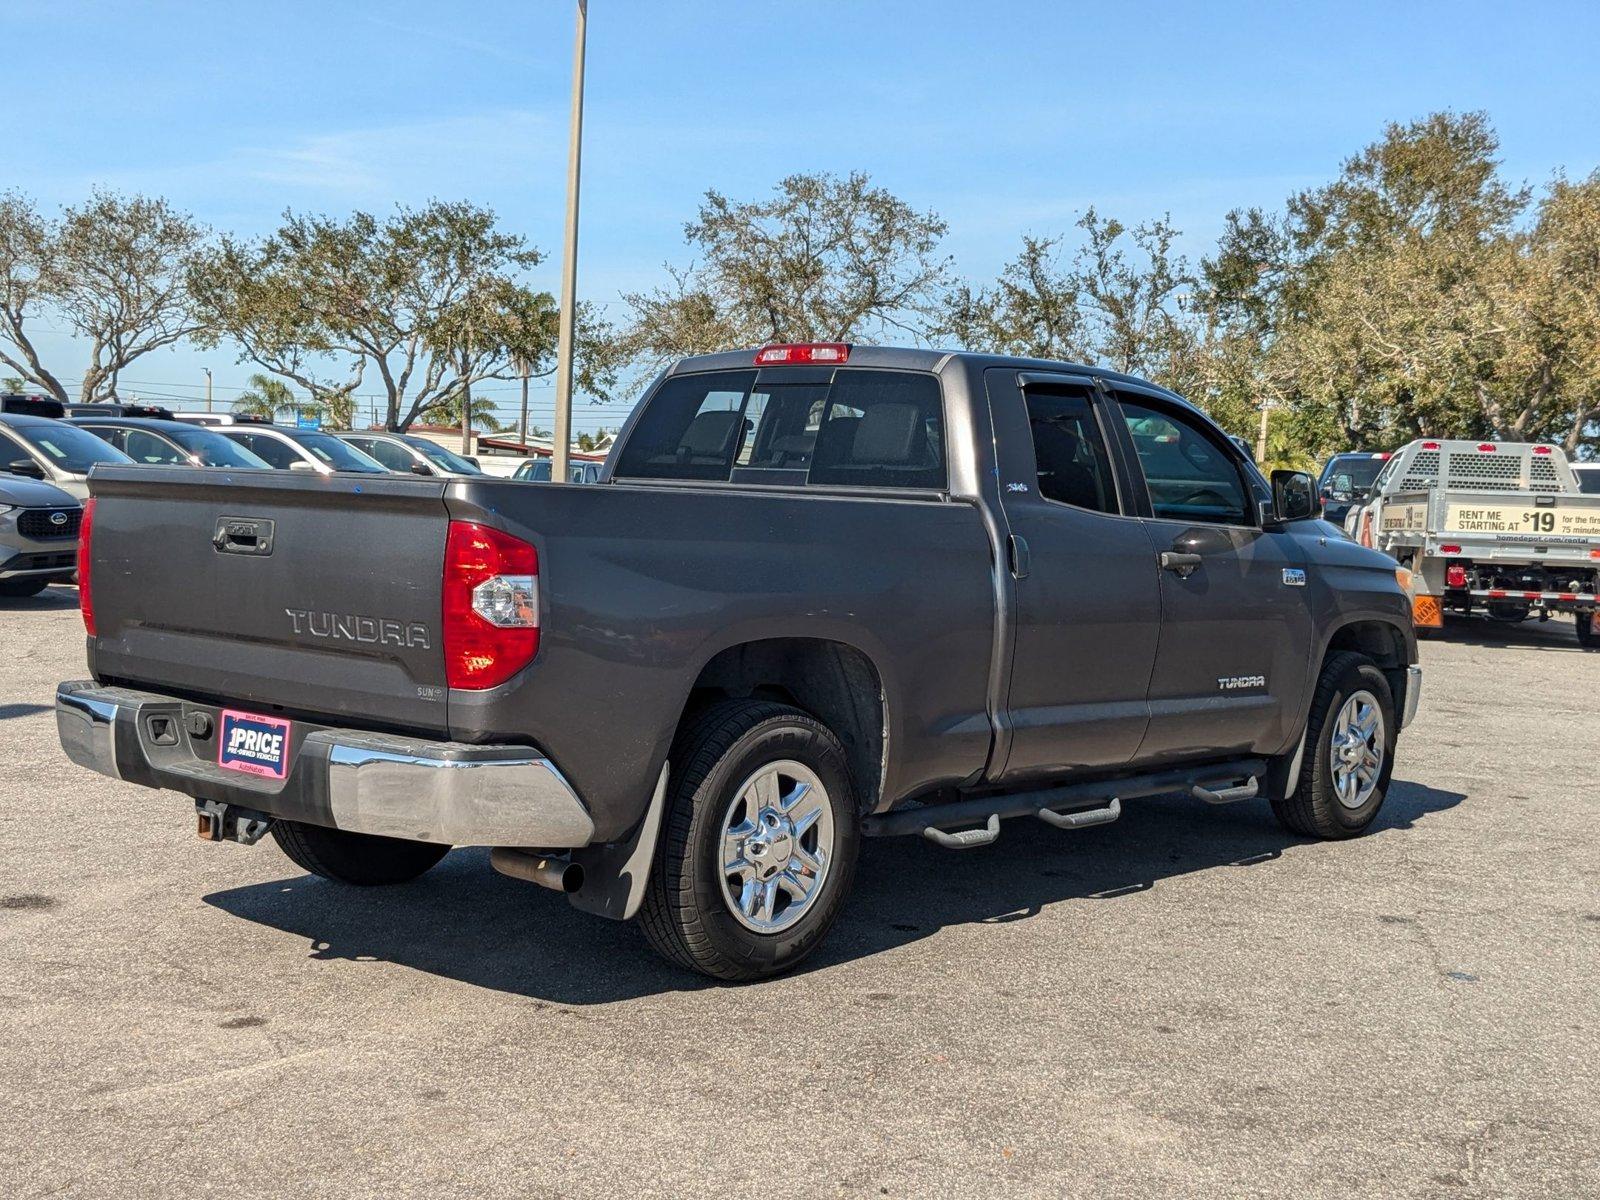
{"x": 821, "y": 593}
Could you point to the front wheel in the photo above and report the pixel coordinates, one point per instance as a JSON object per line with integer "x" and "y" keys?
{"x": 362, "y": 859}
{"x": 1349, "y": 752}
{"x": 759, "y": 843}
{"x": 1588, "y": 629}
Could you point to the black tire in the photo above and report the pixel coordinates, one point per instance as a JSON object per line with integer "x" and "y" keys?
{"x": 1588, "y": 635}
{"x": 18, "y": 588}
{"x": 361, "y": 859}
{"x": 1313, "y": 808}
{"x": 684, "y": 914}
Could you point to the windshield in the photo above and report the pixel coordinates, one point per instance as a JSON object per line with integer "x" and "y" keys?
{"x": 214, "y": 450}
{"x": 538, "y": 471}
{"x": 1361, "y": 468}
{"x": 341, "y": 456}
{"x": 69, "y": 448}
{"x": 440, "y": 457}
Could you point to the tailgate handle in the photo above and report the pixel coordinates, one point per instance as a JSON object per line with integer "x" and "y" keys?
{"x": 243, "y": 535}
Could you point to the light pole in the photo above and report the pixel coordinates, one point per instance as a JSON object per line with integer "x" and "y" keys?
{"x": 569, "y": 266}
{"x": 207, "y": 370}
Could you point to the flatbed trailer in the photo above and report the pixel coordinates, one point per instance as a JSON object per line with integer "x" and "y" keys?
{"x": 1492, "y": 527}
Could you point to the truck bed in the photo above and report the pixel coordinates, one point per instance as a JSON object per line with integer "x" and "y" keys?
{"x": 338, "y": 622}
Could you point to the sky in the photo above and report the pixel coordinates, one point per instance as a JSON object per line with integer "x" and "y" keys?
{"x": 1005, "y": 118}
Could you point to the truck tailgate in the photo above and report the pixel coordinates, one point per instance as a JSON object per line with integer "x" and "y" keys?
{"x": 1562, "y": 517}
{"x": 311, "y": 595}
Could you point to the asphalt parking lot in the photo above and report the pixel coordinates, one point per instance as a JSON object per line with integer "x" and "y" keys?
{"x": 1188, "y": 1002}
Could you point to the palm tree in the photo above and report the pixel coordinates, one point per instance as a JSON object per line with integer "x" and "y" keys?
{"x": 448, "y": 412}
{"x": 268, "y": 398}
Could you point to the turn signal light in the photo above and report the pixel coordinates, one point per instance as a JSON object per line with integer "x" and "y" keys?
{"x": 1449, "y": 549}
{"x": 85, "y": 557}
{"x": 803, "y": 352}
{"x": 491, "y": 605}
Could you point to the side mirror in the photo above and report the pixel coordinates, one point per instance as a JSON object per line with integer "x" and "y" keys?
{"x": 301, "y": 464}
{"x": 472, "y": 459}
{"x": 25, "y": 467}
{"x": 1293, "y": 497}
{"x": 421, "y": 468}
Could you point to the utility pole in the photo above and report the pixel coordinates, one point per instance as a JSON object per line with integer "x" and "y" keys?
{"x": 466, "y": 415}
{"x": 1261, "y": 437}
{"x": 207, "y": 370}
{"x": 522, "y": 366}
{"x": 569, "y": 267}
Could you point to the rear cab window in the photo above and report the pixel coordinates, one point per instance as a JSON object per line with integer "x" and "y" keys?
{"x": 860, "y": 428}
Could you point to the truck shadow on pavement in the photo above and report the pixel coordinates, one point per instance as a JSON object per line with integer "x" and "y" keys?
{"x": 464, "y": 922}
{"x": 1529, "y": 635}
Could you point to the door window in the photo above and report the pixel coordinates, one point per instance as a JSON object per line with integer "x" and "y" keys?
{"x": 1069, "y": 452}
{"x": 1189, "y": 475}
{"x": 390, "y": 455}
{"x": 274, "y": 451}
{"x": 144, "y": 447}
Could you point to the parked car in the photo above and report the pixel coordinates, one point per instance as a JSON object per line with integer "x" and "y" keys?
{"x": 1346, "y": 480}
{"x": 170, "y": 443}
{"x": 407, "y": 453}
{"x": 219, "y": 418}
{"x": 1588, "y": 478}
{"x": 31, "y": 405}
{"x": 154, "y": 411}
{"x": 38, "y": 535}
{"x": 820, "y": 593}
{"x": 301, "y": 449}
{"x": 54, "y": 451}
{"x": 538, "y": 471}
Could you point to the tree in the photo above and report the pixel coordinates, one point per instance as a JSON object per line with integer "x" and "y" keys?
{"x": 267, "y": 398}
{"x": 825, "y": 259}
{"x": 1124, "y": 300}
{"x": 430, "y": 300}
{"x": 114, "y": 271}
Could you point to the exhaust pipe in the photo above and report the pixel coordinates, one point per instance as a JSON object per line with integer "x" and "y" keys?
{"x": 557, "y": 874}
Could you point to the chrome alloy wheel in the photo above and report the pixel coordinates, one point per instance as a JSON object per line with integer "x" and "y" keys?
{"x": 777, "y": 846}
{"x": 1356, "y": 749}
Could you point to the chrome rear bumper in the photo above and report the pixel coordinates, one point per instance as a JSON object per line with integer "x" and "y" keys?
{"x": 450, "y": 793}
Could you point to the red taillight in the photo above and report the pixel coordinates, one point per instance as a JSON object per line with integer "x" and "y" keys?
{"x": 1432, "y": 446}
{"x": 1455, "y": 576}
{"x": 805, "y": 352}
{"x": 1487, "y": 447}
{"x": 85, "y": 595}
{"x": 1383, "y": 457}
{"x": 491, "y": 605}
{"x": 1541, "y": 449}
{"x": 1449, "y": 549}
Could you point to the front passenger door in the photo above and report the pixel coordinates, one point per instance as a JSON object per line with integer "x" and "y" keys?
{"x": 1230, "y": 671}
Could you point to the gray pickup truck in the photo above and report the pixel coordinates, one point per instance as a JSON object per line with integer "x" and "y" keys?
{"x": 820, "y": 593}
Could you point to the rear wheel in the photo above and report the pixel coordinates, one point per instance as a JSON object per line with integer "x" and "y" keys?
{"x": 362, "y": 859}
{"x": 759, "y": 843}
{"x": 22, "y": 587}
{"x": 1588, "y": 629}
{"x": 1349, "y": 752}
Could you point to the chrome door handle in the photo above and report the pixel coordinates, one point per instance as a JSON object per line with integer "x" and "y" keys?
{"x": 1184, "y": 564}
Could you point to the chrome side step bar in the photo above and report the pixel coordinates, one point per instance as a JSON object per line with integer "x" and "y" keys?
{"x": 1087, "y": 804}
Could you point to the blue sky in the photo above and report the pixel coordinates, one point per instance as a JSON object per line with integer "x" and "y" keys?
{"x": 1003, "y": 118}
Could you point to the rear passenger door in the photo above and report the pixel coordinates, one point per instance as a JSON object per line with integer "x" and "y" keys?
{"x": 1087, "y": 599}
{"x": 1230, "y": 673}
